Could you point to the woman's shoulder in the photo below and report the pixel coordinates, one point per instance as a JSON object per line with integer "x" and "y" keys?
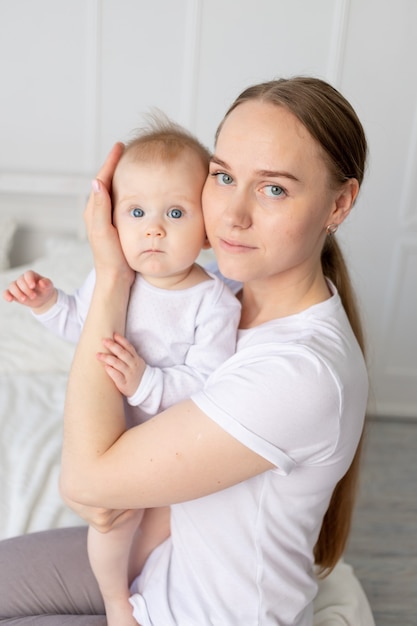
{"x": 324, "y": 320}
{"x": 317, "y": 342}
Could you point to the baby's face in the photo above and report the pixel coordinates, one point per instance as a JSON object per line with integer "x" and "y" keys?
{"x": 157, "y": 212}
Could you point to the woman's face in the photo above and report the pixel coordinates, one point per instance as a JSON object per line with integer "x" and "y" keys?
{"x": 267, "y": 200}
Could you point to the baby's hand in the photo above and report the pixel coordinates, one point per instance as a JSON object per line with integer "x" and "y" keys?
{"x": 32, "y": 290}
{"x": 123, "y": 364}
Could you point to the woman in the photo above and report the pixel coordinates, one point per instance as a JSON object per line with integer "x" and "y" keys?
{"x": 250, "y": 464}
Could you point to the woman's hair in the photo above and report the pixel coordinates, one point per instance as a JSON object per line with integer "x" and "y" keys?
{"x": 333, "y": 123}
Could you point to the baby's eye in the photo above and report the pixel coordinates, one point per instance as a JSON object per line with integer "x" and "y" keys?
{"x": 137, "y": 212}
{"x": 175, "y": 213}
{"x": 274, "y": 191}
{"x": 223, "y": 178}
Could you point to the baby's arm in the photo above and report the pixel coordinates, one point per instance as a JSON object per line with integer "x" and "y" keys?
{"x": 32, "y": 290}
{"x": 61, "y": 313}
{"x": 156, "y": 388}
{"x": 215, "y": 332}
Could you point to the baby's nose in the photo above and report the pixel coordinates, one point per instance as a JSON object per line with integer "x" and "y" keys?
{"x": 155, "y": 230}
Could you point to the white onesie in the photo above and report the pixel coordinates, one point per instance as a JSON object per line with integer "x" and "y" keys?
{"x": 183, "y": 335}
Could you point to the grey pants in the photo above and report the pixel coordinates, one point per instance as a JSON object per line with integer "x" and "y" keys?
{"x": 46, "y": 580}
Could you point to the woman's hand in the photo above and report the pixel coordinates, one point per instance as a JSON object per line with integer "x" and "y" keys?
{"x": 109, "y": 259}
{"x": 101, "y": 519}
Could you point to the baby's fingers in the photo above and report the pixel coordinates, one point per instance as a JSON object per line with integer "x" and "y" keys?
{"x": 120, "y": 347}
{"x": 19, "y": 290}
{"x": 7, "y": 296}
{"x": 110, "y": 360}
{"x": 124, "y": 343}
{"x": 115, "y": 369}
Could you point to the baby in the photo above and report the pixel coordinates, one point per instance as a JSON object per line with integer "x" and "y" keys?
{"x": 181, "y": 322}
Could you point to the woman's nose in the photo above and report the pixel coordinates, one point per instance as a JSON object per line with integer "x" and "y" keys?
{"x": 237, "y": 211}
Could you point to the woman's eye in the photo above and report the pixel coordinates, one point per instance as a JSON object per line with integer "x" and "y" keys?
{"x": 136, "y": 212}
{"x": 175, "y": 213}
{"x": 274, "y": 191}
{"x": 223, "y": 179}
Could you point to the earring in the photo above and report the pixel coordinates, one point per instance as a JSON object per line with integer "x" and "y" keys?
{"x": 331, "y": 229}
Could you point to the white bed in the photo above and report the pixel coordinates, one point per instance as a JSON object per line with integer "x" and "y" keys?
{"x": 33, "y": 373}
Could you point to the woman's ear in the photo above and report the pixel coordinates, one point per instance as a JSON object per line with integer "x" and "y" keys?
{"x": 344, "y": 201}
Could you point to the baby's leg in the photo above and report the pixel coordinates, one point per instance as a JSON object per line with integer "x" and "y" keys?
{"x": 109, "y": 557}
{"x": 154, "y": 528}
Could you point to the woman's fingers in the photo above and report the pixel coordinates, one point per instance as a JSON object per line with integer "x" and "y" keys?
{"x": 99, "y": 203}
{"x": 97, "y": 213}
{"x": 109, "y": 260}
{"x": 105, "y": 174}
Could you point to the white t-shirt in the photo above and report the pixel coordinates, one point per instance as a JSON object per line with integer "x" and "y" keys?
{"x": 295, "y": 392}
{"x": 183, "y": 335}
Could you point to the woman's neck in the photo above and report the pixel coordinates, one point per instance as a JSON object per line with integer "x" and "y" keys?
{"x": 274, "y": 298}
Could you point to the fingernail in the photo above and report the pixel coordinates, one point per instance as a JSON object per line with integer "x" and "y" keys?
{"x": 95, "y": 185}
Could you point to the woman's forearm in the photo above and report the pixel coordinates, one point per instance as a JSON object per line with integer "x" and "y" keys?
{"x": 94, "y": 413}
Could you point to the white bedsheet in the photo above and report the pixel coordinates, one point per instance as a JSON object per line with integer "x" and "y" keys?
{"x": 30, "y": 446}
{"x": 33, "y": 371}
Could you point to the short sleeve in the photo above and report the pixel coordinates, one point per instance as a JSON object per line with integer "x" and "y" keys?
{"x": 284, "y": 404}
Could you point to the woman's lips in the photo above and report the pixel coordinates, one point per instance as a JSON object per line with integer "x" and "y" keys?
{"x": 235, "y": 247}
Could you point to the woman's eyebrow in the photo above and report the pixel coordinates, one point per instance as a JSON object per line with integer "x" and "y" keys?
{"x": 266, "y": 173}
{"x": 277, "y": 174}
{"x": 218, "y": 161}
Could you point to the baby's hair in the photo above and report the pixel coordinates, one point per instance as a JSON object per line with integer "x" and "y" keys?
{"x": 163, "y": 139}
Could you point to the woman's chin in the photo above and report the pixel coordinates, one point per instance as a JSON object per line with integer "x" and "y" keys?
{"x": 233, "y": 272}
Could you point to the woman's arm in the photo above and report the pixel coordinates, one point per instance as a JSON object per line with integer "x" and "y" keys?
{"x": 94, "y": 415}
{"x": 180, "y": 454}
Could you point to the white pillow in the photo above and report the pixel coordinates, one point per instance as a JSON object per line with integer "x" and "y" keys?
{"x": 7, "y": 231}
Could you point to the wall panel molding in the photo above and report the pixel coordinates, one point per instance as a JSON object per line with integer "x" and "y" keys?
{"x": 408, "y": 202}
{"x": 93, "y": 73}
{"x": 190, "y": 72}
{"x": 401, "y": 309}
{"x": 338, "y": 42}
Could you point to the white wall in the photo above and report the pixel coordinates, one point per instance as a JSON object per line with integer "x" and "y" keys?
{"x": 77, "y": 76}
